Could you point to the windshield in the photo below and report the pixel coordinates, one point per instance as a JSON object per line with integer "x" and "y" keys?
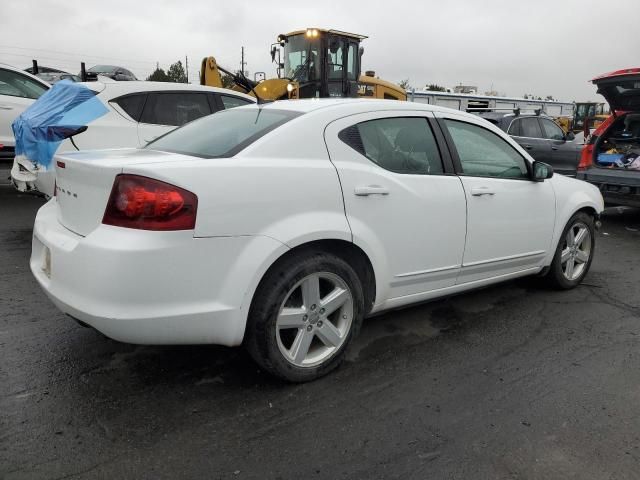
{"x": 302, "y": 58}
{"x": 222, "y": 134}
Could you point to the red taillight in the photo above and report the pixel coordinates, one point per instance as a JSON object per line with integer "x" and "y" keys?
{"x": 148, "y": 204}
{"x": 586, "y": 157}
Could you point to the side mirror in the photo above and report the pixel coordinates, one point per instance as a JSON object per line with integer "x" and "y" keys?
{"x": 541, "y": 171}
{"x": 570, "y": 136}
{"x": 273, "y": 53}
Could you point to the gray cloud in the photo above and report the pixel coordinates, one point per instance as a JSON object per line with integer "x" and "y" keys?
{"x": 544, "y": 47}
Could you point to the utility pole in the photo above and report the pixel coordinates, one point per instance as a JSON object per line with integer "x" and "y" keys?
{"x": 242, "y": 62}
{"x": 186, "y": 66}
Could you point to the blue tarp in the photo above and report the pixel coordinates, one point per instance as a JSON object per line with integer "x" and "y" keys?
{"x": 63, "y": 109}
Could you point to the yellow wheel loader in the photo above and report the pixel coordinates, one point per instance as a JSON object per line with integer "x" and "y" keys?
{"x": 311, "y": 63}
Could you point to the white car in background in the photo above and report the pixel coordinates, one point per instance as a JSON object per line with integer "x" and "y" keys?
{"x": 281, "y": 226}
{"x": 138, "y": 112}
{"x": 18, "y": 90}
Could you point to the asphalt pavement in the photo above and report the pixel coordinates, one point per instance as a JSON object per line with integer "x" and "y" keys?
{"x": 510, "y": 382}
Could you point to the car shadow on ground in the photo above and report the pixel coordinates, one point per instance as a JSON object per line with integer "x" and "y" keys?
{"x": 385, "y": 335}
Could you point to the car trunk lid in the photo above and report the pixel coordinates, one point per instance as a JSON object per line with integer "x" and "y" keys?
{"x": 84, "y": 181}
{"x": 621, "y": 89}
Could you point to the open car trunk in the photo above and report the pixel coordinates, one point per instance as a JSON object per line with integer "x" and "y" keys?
{"x": 619, "y": 146}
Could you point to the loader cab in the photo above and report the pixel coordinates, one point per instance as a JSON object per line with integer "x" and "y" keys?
{"x": 319, "y": 63}
{"x": 592, "y": 113}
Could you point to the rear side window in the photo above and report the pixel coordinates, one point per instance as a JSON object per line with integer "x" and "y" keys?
{"x": 401, "y": 145}
{"x": 528, "y": 127}
{"x": 132, "y": 104}
{"x": 175, "y": 108}
{"x": 17, "y": 85}
{"x": 514, "y": 129}
{"x": 222, "y": 134}
{"x": 484, "y": 154}
{"x": 230, "y": 102}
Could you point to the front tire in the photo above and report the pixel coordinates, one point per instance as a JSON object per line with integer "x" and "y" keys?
{"x": 574, "y": 253}
{"x": 305, "y": 313}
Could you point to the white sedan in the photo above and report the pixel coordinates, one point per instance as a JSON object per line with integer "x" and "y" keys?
{"x": 137, "y": 113}
{"x": 282, "y": 226}
{"x": 18, "y": 91}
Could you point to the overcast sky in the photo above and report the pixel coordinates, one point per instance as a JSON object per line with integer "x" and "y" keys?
{"x": 543, "y": 47}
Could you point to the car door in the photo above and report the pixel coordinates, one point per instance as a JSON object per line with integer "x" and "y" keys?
{"x": 403, "y": 202}
{"x": 164, "y": 111}
{"x": 527, "y": 133}
{"x": 510, "y": 218}
{"x": 17, "y": 93}
{"x": 564, "y": 154}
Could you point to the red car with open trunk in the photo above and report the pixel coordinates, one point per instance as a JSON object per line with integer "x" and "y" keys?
{"x": 611, "y": 157}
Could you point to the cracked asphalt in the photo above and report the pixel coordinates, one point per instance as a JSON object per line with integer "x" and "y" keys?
{"x": 510, "y": 382}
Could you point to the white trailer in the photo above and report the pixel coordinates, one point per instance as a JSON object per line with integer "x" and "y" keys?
{"x": 484, "y": 103}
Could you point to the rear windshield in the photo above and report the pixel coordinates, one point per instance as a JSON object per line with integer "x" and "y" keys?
{"x": 103, "y": 69}
{"x": 222, "y": 134}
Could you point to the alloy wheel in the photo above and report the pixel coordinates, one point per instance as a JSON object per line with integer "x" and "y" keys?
{"x": 576, "y": 251}
{"x": 315, "y": 319}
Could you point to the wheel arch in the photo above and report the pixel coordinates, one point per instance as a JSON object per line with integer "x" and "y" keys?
{"x": 347, "y": 251}
{"x": 586, "y": 206}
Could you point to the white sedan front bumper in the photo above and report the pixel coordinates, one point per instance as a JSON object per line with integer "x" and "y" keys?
{"x": 148, "y": 287}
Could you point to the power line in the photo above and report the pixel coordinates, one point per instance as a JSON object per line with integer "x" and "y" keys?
{"x": 61, "y": 52}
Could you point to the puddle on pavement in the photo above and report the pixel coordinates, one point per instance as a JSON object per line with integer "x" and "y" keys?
{"x": 415, "y": 325}
{"x": 397, "y": 329}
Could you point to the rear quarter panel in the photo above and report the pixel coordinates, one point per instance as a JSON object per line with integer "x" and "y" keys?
{"x": 293, "y": 200}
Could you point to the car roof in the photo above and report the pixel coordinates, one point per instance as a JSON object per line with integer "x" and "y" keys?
{"x": 111, "y": 88}
{"x": 348, "y": 105}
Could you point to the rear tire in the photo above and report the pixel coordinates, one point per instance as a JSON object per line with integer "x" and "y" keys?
{"x": 304, "y": 315}
{"x": 574, "y": 253}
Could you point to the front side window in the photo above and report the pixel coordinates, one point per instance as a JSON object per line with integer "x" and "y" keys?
{"x": 401, "y": 145}
{"x": 351, "y": 62}
{"x": 230, "y": 102}
{"x": 17, "y": 85}
{"x": 222, "y": 134}
{"x": 482, "y": 153}
{"x": 175, "y": 108}
{"x": 551, "y": 130}
{"x": 335, "y": 60}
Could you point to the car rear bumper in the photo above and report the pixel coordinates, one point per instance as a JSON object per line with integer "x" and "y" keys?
{"x": 149, "y": 287}
{"x": 618, "y": 186}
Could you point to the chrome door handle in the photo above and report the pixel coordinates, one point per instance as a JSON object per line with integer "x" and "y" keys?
{"x": 6, "y": 107}
{"x": 528, "y": 147}
{"x": 371, "y": 190}
{"x": 554, "y": 148}
{"x": 479, "y": 191}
